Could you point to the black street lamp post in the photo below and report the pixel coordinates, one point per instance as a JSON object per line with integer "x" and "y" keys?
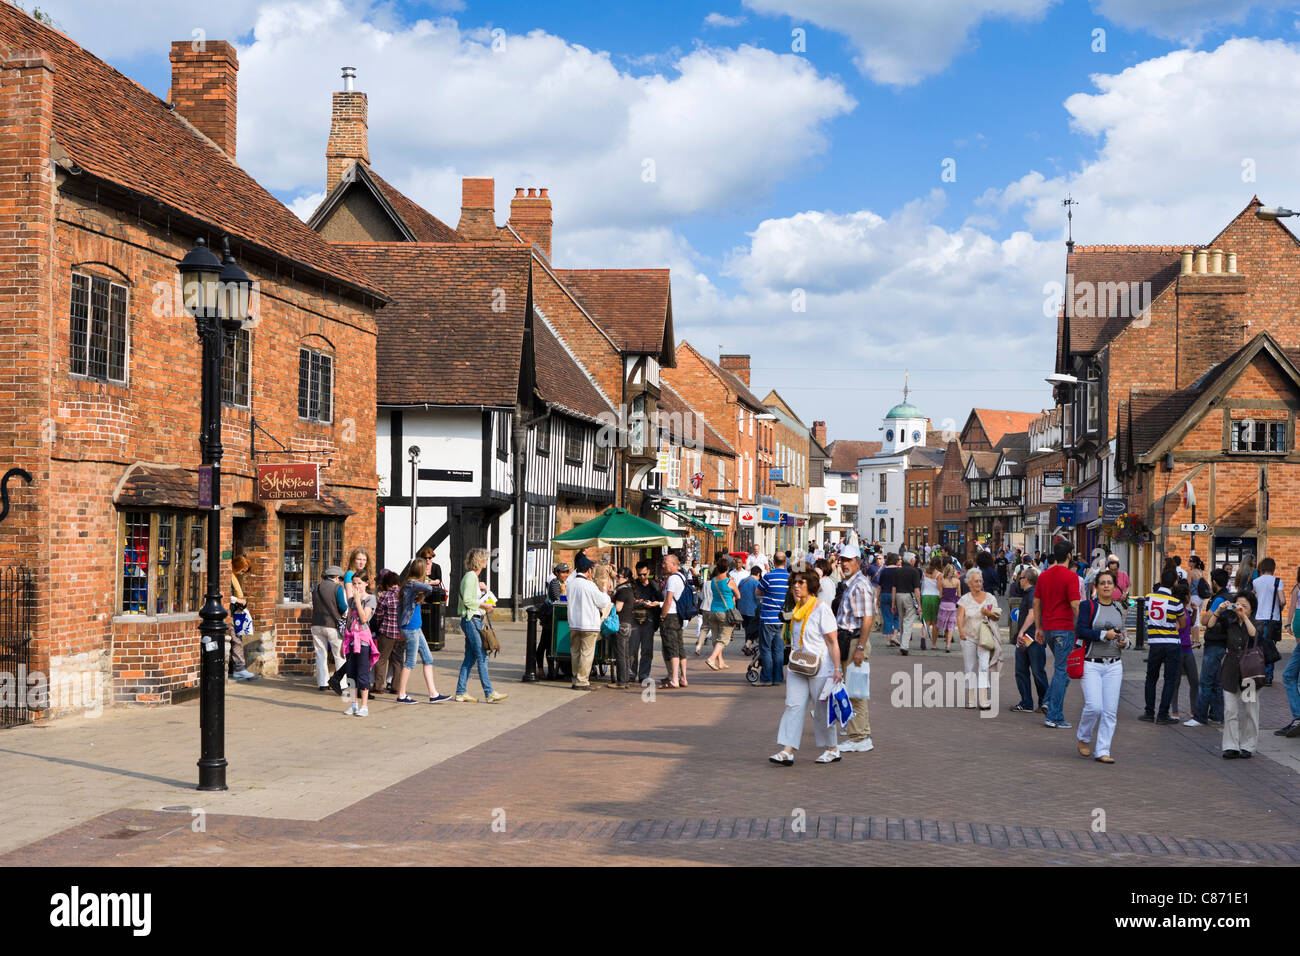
{"x": 217, "y": 295}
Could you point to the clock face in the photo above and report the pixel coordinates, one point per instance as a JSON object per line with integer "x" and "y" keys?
{"x": 916, "y": 435}
{"x": 889, "y": 435}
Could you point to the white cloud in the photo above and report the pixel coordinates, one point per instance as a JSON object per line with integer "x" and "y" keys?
{"x": 900, "y": 42}
{"x": 719, "y": 131}
{"x": 721, "y": 20}
{"x": 128, "y": 28}
{"x": 1178, "y": 137}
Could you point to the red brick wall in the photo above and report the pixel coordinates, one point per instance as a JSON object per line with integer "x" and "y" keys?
{"x": 922, "y": 516}
{"x": 27, "y": 228}
{"x": 95, "y": 430}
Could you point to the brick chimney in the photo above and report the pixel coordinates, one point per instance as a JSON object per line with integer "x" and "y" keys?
{"x": 349, "y": 131}
{"x": 530, "y": 216}
{"x": 737, "y": 365}
{"x": 204, "y": 88}
{"x": 819, "y": 433}
{"x": 477, "y": 209}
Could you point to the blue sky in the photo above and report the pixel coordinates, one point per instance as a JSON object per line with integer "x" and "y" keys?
{"x": 783, "y": 171}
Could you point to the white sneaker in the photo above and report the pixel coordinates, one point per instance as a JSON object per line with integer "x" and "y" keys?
{"x": 848, "y": 747}
{"x": 1192, "y": 723}
{"x": 865, "y": 745}
{"x": 363, "y": 712}
{"x": 351, "y": 711}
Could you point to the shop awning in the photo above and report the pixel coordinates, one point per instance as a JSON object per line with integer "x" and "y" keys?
{"x": 694, "y": 521}
{"x": 326, "y": 504}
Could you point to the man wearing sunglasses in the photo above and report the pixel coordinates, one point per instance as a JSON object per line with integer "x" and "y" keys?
{"x": 853, "y": 624}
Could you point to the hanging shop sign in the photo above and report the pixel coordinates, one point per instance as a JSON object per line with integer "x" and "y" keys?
{"x": 291, "y": 482}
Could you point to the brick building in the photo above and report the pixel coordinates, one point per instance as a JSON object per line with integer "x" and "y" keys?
{"x": 1196, "y": 384}
{"x": 792, "y": 450}
{"x": 105, "y": 188}
{"x": 919, "y": 526}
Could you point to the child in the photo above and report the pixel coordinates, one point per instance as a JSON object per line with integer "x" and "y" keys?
{"x": 946, "y": 620}
{"x": 358, "y": 643}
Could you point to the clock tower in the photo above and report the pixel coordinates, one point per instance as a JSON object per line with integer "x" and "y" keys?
{"x": 904, "y": 426}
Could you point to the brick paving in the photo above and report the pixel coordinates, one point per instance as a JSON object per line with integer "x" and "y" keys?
{"x": 612, "y": 778}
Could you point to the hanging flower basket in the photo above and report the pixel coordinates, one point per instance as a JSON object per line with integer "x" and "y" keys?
{"x": 1130, "y": 529}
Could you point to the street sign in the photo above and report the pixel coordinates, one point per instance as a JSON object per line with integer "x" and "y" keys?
{"x": 1065, "y": 513}
{"x": 1053, "y": 479}
{"x": 1194, "y": 528}
{"x": 1112, "y": 508}
{"x": 776, "y": 474}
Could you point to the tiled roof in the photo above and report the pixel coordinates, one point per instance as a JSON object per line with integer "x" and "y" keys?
{"x": 441, "y": 341}
{"x": 560, "y": 381}
{"x": 632, "y": 305}
{"x": 1155, "y": 412}
{"x": 676, "y": 409}
{"x": 985, "y": 462}
{"x": 998, "y": 423}
{"x": 925, "y": 456}
{"x": 158, "y": 486}
{"x": 117, "y": 131}
{"x": 1095, "y": 265}
{"x": 845, "y": 454}
{"x": 424, "y": 225}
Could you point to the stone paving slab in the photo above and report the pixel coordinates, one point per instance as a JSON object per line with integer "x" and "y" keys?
{"x": 614, "y": 778}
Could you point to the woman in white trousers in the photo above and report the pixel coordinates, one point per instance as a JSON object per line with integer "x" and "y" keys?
{"x": 812, "y": 628}
{"x": 972, "y": 610}
{"x": 1100, "y": 627}
{"x": 1240, "y": 692}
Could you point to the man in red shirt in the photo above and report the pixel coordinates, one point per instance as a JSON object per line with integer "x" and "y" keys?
{"x": 1056, "y": 606}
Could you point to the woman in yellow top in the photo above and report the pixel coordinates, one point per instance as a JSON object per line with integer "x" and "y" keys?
{"x": 471, "y": 619}
{"x": 812, "y": 628}
{"x": 241, "y": 622}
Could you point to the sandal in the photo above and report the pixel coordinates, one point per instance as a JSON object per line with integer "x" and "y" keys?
{"x": 829, "y": 756}
{"x": 712, "y": 666}
{"x": 665, "y": 684}
{"x": 782, "y": 758}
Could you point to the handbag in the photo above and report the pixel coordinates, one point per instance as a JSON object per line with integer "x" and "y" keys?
{"x": 488, "y": 637}
{"x": 1252, "y": 663}
{"x": 988, "y": 638}
{"x": 609, "y": 626}
{"x": 805, "y": 662}
{"x": 735, "y": 618}
{"x": 1074, "y": 663}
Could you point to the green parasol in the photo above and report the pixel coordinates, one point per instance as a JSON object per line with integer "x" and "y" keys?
{"x": 616, "y": 528}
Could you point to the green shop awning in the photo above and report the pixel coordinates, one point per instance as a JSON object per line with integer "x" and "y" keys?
{"x": 616, "y": 528}
{"x": 694, "y": 521}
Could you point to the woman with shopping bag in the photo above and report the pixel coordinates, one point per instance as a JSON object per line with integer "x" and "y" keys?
{"x": 814, "y": 660}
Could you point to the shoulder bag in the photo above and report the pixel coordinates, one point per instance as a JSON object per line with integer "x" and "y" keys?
{"x": 806, "y": 662}
{"x": 488, "y": 638}
{"x": 1252, "y": 663}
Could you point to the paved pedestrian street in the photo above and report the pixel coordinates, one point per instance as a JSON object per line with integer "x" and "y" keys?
{"x": 619, "y": 777}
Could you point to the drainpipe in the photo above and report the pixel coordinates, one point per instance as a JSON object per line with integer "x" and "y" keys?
{"x": 519, "y": 446}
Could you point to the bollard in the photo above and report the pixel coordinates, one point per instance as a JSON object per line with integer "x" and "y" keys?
{"x": 530, "y": 658}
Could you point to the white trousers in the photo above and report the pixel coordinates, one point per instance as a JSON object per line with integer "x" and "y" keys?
{"x": 800, "y": 694}
{"x": 973, "y": 656}
{"x": 1245, "y": 737}
{"x": 1101, "y": 686}
{"x": 326, "y": 639}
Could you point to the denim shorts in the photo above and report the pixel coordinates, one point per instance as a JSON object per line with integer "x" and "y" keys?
{"x": 415, "y": 642}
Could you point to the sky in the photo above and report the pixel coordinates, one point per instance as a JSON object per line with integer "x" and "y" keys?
{"x": 851, "y": 191}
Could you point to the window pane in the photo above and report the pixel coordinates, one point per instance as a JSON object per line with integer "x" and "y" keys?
{"x": 164, "y": 561}
{"x": 234, "y": 368}
{"x": 326, "y": 401}
{"x": 314, "y": 566}
{"x": 197, "y": 579}
{"x": 304, "y": 383}
{"x": 98, "y": 361}
{"x": 336, "y": 552}
{"x": 181, "y": 562}
{"x": 80, "y": 321}
{"x": 135, "y": 562}
{"x": 293, "y": 560}
{"x": 117, "y": 334}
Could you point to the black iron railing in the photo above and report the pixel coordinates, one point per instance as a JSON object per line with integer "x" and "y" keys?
{"x": 17, "y": 608}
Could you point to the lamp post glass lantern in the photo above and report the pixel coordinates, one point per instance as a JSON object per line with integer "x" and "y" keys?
{"x": 216, "y": 294}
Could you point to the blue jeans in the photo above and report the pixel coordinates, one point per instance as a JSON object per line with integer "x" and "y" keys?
{"x": 1061, "y": 643}
{"x": 473, "y": 655}
{"x": 771, "y": 655}
{"x": 1271, "y": 630}
{"x": 1031, "y": 659}
{"x": 415, "y": 642}
{"x": 1167, "y": 657}
{"x": 1291, "y": 680}
{"x": 1209, "y": 700}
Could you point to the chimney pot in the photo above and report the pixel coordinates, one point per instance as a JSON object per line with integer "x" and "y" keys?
{"x": 1216, "y": 262}
{"x": 1232, "y": 263}
{"x": 349, "y": 76}
{"x": 519, "y": 192}
{"x": 1187, "y": 262}
{"x": 1201, "y": 256}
